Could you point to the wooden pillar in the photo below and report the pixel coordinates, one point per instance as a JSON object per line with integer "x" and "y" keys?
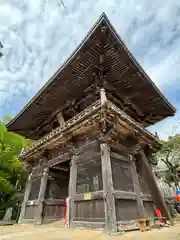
{"x": 137, "y": 189}
{"x": 41, "y": 196}
{"x": 156, "y": 193}
{"x": 110, "y": 211}
{"x": 60, "y": 119}
{"x": 26, "y": 197}
{"x": 103, "y": 96}
{"x": 72, "y": 189}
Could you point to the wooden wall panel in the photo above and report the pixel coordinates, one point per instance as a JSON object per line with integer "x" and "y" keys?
{"x": 126, "y": 210}
{"x": 90, "y": 211}
{"x": 54, "y": 212}
{"x": 35, "y": 188}
{"x": 149, "y": 209}
{"x": 121, "y": 175}
{"x": 29, "y": 212}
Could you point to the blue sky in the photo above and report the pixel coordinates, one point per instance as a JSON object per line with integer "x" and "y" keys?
{"x": 38, "y": 37}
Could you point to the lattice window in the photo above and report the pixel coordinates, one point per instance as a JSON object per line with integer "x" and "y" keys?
{"x": 57, "y": 188}
{"x": 143, "y": 185}
{"x": 35, "y": 187}
{"x": 121, "y": 175}
{"x": 89, "y": 176}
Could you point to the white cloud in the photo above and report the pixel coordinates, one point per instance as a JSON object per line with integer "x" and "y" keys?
{"x": 39, "y": 36}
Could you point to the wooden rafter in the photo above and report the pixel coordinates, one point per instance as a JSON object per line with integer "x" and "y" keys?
{"x": 106, "y": 52}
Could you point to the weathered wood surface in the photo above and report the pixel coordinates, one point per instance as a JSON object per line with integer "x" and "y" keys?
{"x": 53, "y": 210}
{"x": 120, "y": 68}
{"x": 131, "y": 124}
{"x": 140, "y": 206}
{"x": 124, "y": 195}
{"x": 60, "y": 119}
{"x": 156, "y": 193}
{"x": 89, "y": 210}
{"x": 90, "y": 117}
{"x": 72, "y": 188}
{"x": 88, "y": 147}
{"x": 92, "y": 196}
{"x": 126, "y": 209}
{"x": 110, "y": 212}
{"x": 26, "y": 196}
{"x": 59, "y": 159}
{"x": 30, "y": 213}
{"x": 54, "y": 201}
{"x": 76, "y": 122}
{"x": 40, "y": 201}
{"x": 119, "y": 157}
{"x": 103, "y": 97}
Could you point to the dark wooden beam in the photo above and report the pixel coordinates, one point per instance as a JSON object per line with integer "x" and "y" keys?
{"x": 146, "y": 197}
{"x": 118, "y": 148}
{"x": 110, "y": 211}
{"x": 65, "y": 169}
{"x": 119, "y": 157}
{"x": 26, "y": 196}
{"x": 156, "y": 193}
{"x": 60, "y": 159}
{"x": 86, "y": 147}
{"x": 54, "y": 202}
{"x": 41, "y": 196}
{"x": 85, "y": 157}
{"x": 93, "y": 196}
{"x": 125, "y": 195}
{"x": 72, "y": 188}
{"x": 140, "y": 206}
{"x": 125, "y": 101}
{"x": 40, "y": 127}
{"x": 58, "y": 174}
{"x": 60, "y": 119}
{"x": 115, "y": 101}
{"x": 103, "y": 97}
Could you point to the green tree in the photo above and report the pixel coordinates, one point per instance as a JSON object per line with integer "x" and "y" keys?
{"x": 169, "y": 154}
{"x": 12, "y": 171}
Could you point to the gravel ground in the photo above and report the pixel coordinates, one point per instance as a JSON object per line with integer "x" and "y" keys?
{"x": 53, "y": 232}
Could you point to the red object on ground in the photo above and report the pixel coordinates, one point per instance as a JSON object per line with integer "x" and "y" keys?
{"x": 178, "y": 198}
{"x": 159, "y": 215}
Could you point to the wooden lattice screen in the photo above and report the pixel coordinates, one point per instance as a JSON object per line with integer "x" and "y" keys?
{"x": 35, "y": 188}
{"x": 57, "y": 188}
{"x": 89, "y": 176}
{"x": 121, "y": 175}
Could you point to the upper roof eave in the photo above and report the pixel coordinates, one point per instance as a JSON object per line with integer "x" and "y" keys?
{"x": 103, "y": 18}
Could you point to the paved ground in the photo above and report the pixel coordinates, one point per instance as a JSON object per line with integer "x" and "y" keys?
{"x": 53, "y": 232}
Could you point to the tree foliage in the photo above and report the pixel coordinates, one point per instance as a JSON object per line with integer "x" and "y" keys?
{"x": 169, "y": 154}
{"x": 12, "y": 171}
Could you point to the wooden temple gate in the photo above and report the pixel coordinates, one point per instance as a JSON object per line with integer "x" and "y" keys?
{"x": 104, "y": 174}
{"x": 90, "y": 139}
